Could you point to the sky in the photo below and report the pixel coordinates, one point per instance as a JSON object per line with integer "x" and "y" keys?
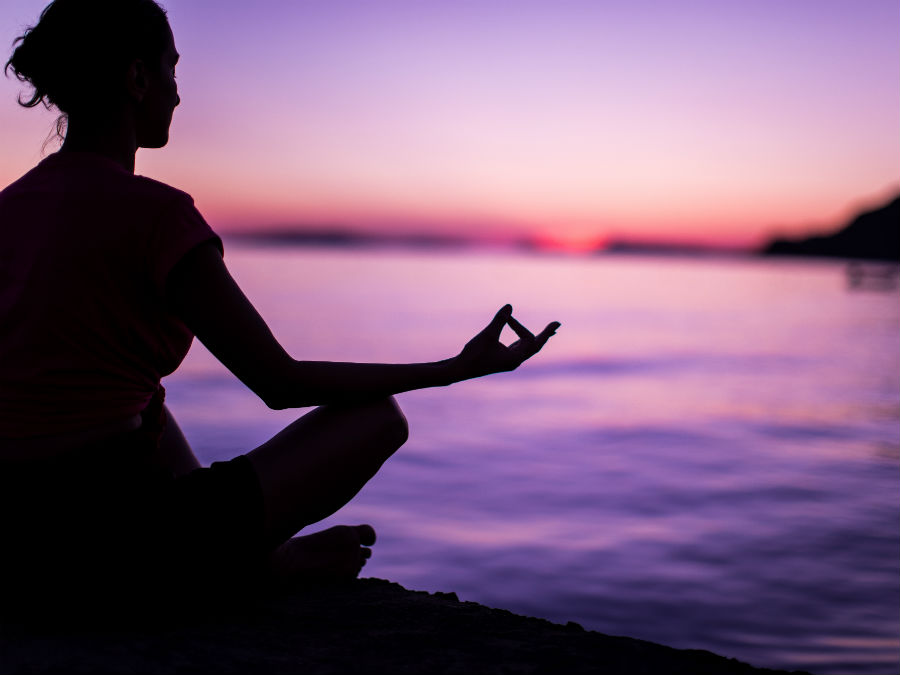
{"x": 573, "y": 122}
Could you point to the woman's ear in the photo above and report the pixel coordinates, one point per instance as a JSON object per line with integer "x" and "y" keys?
{"x": 136, "y": 80}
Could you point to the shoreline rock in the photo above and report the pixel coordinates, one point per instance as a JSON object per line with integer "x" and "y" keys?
{"x": 366, "y": 626}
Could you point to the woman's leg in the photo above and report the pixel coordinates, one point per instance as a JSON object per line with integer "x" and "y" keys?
{"x": 319, "y": 462}
{"x": 307, "y": 472}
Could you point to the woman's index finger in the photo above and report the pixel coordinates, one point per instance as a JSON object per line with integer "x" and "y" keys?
{"x": 495, "y": 327}
{"x": 520, "y": 330}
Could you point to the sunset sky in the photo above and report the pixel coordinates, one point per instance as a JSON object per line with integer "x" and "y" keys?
{"x": 709, "y": 120}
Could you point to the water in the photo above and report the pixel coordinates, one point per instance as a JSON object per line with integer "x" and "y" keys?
{"x": 706, "y": 455}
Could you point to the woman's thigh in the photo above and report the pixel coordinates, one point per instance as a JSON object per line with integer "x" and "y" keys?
{"x": 319, "y": 462}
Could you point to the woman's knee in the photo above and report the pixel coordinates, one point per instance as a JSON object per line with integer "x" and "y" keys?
{"x": 376, "y": 424}
{"x": 390, "y": 421}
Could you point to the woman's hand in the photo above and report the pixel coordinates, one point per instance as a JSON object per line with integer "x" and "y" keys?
{"x": 484, "y": 354}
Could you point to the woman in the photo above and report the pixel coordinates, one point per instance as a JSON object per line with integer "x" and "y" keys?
{"x": 105, "y": 278}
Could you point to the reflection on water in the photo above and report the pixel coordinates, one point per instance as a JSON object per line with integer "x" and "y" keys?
{"x": 706, "y": 455}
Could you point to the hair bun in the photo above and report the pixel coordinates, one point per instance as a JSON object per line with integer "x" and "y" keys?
{"x": 78, "y": 47}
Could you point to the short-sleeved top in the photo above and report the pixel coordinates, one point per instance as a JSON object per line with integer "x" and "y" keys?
{"x": 85, "y": 334}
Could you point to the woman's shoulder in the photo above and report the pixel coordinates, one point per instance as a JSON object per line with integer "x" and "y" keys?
{"x": 98, "y": 195}
{"x": 92, "y": 174}
{"x": 159, "y": 193}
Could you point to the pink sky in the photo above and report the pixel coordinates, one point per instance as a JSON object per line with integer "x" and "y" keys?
{"x": 709, "y": 120}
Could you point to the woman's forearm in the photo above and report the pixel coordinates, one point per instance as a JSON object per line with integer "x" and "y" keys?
{"x": 312, "y": 383}
{"x": 308, "y": 383}
{"x": 201, "y": 292}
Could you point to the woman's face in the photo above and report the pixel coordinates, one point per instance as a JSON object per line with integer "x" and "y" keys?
{"x": 155, "y": 110}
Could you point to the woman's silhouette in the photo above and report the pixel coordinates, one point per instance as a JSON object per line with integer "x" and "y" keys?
{"x": 105, "y": 277}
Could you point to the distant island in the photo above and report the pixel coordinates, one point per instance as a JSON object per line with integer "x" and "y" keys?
{"x": 337, "y": 236}
{"x": 668, "y": 248}
{"x": 871, "y": 235}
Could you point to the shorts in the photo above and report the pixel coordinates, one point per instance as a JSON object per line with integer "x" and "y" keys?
{"x": 107, "y": 528}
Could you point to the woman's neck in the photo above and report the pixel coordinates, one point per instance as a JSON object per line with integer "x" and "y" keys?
{"x": 112, "y": 138}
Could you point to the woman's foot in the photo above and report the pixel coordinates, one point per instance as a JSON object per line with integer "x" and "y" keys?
{"x": 335, "y": 554}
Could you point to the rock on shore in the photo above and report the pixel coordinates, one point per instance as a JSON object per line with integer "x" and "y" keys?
{"x": 367, "y": 626}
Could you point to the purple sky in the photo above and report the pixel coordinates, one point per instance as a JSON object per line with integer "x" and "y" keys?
{"x": 720, "y": 121}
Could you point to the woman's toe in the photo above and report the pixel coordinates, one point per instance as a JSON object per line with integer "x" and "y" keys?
{"x": 366, "y": 534}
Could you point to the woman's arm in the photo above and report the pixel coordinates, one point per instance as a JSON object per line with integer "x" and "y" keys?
{"x": 202, "y": 293}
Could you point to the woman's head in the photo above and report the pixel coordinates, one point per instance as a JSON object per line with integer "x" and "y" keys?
{"x": 79, "y": 55}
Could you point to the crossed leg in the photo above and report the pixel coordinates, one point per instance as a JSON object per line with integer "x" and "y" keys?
{"x": 308, "y": 471}
{"x": 311, "y": 469}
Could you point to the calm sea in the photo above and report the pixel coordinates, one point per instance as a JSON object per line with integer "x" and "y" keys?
{"x": 706, "y": 455}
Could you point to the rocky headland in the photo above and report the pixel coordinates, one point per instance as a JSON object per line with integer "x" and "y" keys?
{"x": 871, "y": 235}
{"x": 366, "y": 626}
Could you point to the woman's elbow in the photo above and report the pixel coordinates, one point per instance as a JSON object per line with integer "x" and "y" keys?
{"x": 275, "y": 397}
{"x": 278, "y": 398}
{"x": 275, "y": 403}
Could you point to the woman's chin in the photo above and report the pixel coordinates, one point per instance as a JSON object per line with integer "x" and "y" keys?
{"x": 153, "y": 143}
